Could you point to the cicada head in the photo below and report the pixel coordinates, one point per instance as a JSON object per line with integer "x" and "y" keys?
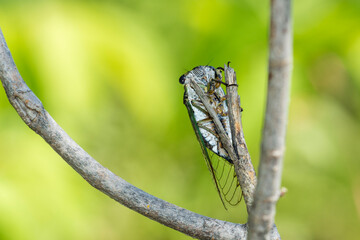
{"x": 200, "y": 74}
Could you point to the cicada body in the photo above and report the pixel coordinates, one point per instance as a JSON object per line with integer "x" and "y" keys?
{"x": 218, "y": 161}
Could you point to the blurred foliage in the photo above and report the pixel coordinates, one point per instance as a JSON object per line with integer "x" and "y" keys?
{"x": 108, "y": 73}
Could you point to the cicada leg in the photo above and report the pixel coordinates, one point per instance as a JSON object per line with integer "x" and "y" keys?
{"x": 211, "y": 130}
{"x": 200, "y": 106}
{"x": 215, "y": 83}
{"x": 220, "y": 107}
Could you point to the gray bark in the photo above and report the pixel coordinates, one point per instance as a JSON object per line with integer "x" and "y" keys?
{"x": 267, "y": 192}
{"x": 243, "y": 166}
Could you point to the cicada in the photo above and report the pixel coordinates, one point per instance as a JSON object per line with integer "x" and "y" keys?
{"x": 218, "y": 161}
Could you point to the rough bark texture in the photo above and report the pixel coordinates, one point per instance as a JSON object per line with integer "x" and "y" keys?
{"x": 31, "y": 110}
{"x": 267, "y": 192}
{"x": 243, "y": 167}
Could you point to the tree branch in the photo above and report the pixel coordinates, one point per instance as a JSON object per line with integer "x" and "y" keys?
{"x": 267, "y": 192}
{"x": 31, "y": 110}
{"x": 243, "y": 166}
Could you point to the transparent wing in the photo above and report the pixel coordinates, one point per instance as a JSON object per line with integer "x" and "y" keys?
{"x": 225, "y": 177}
{"x": 222, "y": 171}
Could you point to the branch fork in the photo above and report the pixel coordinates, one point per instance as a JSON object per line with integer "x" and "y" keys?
{"x": 260, "y": 196}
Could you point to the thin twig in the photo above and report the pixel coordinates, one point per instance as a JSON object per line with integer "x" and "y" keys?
{"x": 243, "y": 167}
{"x": 38, "y": 119}
{"x": 267, "y": 192}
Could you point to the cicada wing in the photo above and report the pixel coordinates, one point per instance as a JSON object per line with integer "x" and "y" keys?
{"x": 226, "y": 179}
{"x": 203, "y": 147}
{"x": 221, "y": 170}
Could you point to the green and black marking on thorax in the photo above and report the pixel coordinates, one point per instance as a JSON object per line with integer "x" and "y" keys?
{"x": 218, "y": 161}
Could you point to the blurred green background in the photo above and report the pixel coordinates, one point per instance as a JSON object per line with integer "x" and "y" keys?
{"x": 108, "y": 72}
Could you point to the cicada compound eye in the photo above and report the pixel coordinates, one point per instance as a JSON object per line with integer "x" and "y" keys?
{"x": 182, "y": 79}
